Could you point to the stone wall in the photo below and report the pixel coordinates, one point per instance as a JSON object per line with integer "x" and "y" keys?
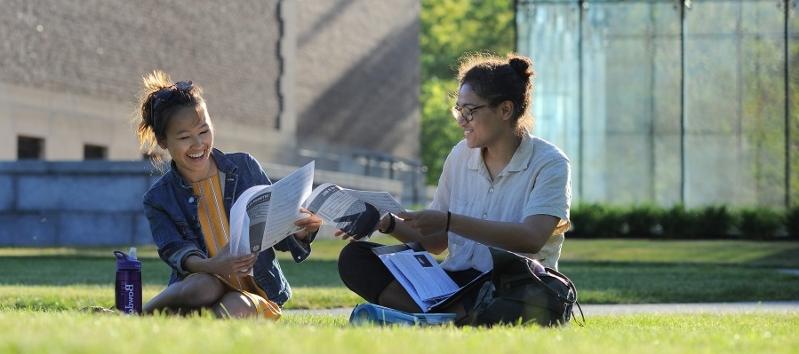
{"x": 93, "y": 203}
{"x": 101, "y": 48}
{"x": 358, "y": 75}
{"x": 99, "y": 203}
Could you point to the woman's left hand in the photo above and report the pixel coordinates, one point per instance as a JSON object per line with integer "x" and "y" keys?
{"x": 309, "y": 224}
{"x": 427, "y": 222}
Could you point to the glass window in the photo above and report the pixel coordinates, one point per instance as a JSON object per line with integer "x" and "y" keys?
{"x": 654, "y": 107}
{"x": 734, "y": 104}
{"x": 30, "y": 148}
{"x": 631, "y": 102}
{"x": 548, "y": 33}
{"x": 793, "y": 81}
{"x": 94, "y": 152}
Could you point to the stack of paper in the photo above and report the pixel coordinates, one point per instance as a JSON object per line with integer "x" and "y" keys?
{"x": 421, "y": 276}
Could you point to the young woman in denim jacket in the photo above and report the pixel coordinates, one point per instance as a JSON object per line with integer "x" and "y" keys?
{"x": 189, "y": 206}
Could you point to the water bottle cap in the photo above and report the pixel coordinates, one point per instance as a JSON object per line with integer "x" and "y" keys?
{"x": 126, "y": 262}
{"x": 132, "y": 253}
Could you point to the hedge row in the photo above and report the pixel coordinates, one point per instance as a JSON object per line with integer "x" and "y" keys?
{"x": 714, "y": 222}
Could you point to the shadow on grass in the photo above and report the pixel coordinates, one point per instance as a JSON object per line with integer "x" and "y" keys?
{"x": 786, "y": 258}
{"x": 596, "y": 281}
{"x": 653, "y": 282}
{"x": 94, "y": 270}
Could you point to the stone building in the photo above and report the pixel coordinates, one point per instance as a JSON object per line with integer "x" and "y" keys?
{"x": 335, "y": 81}
{"x": 289, "y": 81}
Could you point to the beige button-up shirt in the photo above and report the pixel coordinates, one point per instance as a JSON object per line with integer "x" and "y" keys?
{"x": 535, "y": 182}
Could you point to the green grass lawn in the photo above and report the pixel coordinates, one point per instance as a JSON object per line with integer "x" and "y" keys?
{"x": 42, "y": 290}
{"x": 74, "y": 332}
{"x": 605, "y": 271}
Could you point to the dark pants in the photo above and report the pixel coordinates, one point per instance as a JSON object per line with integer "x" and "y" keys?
{"x": 366, "y": 275}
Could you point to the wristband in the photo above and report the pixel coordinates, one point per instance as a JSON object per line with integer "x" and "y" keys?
{"x": 391, "y": 224}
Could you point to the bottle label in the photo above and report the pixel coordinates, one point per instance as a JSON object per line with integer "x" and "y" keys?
{"x": 130, "y": 294}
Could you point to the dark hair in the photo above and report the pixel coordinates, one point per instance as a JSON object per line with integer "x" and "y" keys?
{"x": 159, "y": 100}
{"x": 500, "y": 79}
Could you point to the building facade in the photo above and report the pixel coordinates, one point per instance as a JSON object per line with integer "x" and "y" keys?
{"x": 288, "y": 81}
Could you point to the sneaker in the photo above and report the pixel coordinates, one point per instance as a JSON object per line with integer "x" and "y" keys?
{"x": 384, "y": 316}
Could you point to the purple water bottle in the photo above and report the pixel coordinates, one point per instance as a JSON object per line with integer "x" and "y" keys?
{"x": 128, "y": 282}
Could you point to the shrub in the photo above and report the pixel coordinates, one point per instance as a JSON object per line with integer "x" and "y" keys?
{"x": 714, "y": 222}
{"x": 677, "y": 222}
{"x": 595, "y": 220}
{"x": 760, "y": 223}
{"x": 641, "y": 221}
{"x": 792, "y": 222}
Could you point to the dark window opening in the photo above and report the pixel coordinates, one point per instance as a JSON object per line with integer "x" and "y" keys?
{"x": 30, "y": 148}
{"x": 94, "y": 152}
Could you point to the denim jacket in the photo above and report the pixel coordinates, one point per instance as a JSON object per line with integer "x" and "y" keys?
{"x": 171, "y": 208}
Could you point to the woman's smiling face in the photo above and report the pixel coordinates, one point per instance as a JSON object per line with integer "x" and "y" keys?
{"x": 485, "y": 126}
{"x": 190, "y": 140}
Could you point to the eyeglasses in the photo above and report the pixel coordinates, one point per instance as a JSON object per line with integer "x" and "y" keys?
{"x": 164, "y": 94}
{"x": 464, "y": 114}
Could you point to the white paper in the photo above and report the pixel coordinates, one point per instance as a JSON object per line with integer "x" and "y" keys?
{"x": 264, "y": 215}
{"x": 240, "y": 222}
{"x": 383, "y": 201}
{"x": 330, "y": 204}
{"x": 421, "y": 276}
{"x": 284, "y": 209}
{"x": 336, "y": 206}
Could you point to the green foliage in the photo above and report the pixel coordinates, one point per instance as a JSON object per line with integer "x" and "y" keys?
{"x": 676, "y": 222}
{"x": 760, "y": 223}
{"x": 642, "y": 221}
{"x": 451, "y": 28}
{"x": 595, "y": 220}
{"x": 792, "y": 222}
{"x": 712, "y": 222}
{"x": 439, "y": 131}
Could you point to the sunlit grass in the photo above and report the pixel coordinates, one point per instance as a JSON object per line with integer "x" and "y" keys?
{"x": 605, "y": 271}
{"x": 75, "y": 332}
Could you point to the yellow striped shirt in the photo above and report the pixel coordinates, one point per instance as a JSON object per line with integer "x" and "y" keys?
{"x": 215, "y": 229}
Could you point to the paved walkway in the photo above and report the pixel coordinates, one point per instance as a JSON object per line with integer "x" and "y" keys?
{"x": 595, "y": 310}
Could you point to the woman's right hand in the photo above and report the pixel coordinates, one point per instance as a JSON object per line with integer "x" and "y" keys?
{"x": 226, "y": 264}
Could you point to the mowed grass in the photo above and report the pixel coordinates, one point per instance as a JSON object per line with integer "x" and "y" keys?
{"x": 43, "y": 290}
{"x": 75, "y": 332}
{"x": 605, "y": 271}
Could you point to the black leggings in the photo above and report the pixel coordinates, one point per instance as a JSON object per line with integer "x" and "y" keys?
{"x": 366, "y": 275}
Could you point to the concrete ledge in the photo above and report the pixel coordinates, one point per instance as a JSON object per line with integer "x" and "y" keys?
{"x": 95, "y": 229}
{"x": 99, "y": 203}
{"x": 98, "y": 167}
{"x": 28, "y": 230}
{"x": 80, "y": 193}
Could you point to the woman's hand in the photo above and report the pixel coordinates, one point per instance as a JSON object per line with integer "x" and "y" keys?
{"x": 226, "y": 264}
{"x": 382, "y": 224}
{"x": 343, "y": 235}
{"x": 309, "y": 225}
{"x": 426, "y": 222}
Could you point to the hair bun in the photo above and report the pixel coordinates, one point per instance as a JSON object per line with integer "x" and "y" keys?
{"x": 155, "y": 81}
{"x": 521, "y": 65}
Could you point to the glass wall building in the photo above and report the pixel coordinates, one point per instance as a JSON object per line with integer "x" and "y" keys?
{"x": 669, "y": 102}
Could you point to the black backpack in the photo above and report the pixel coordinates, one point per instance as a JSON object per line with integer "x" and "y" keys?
{"x": 517, "y": 295}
